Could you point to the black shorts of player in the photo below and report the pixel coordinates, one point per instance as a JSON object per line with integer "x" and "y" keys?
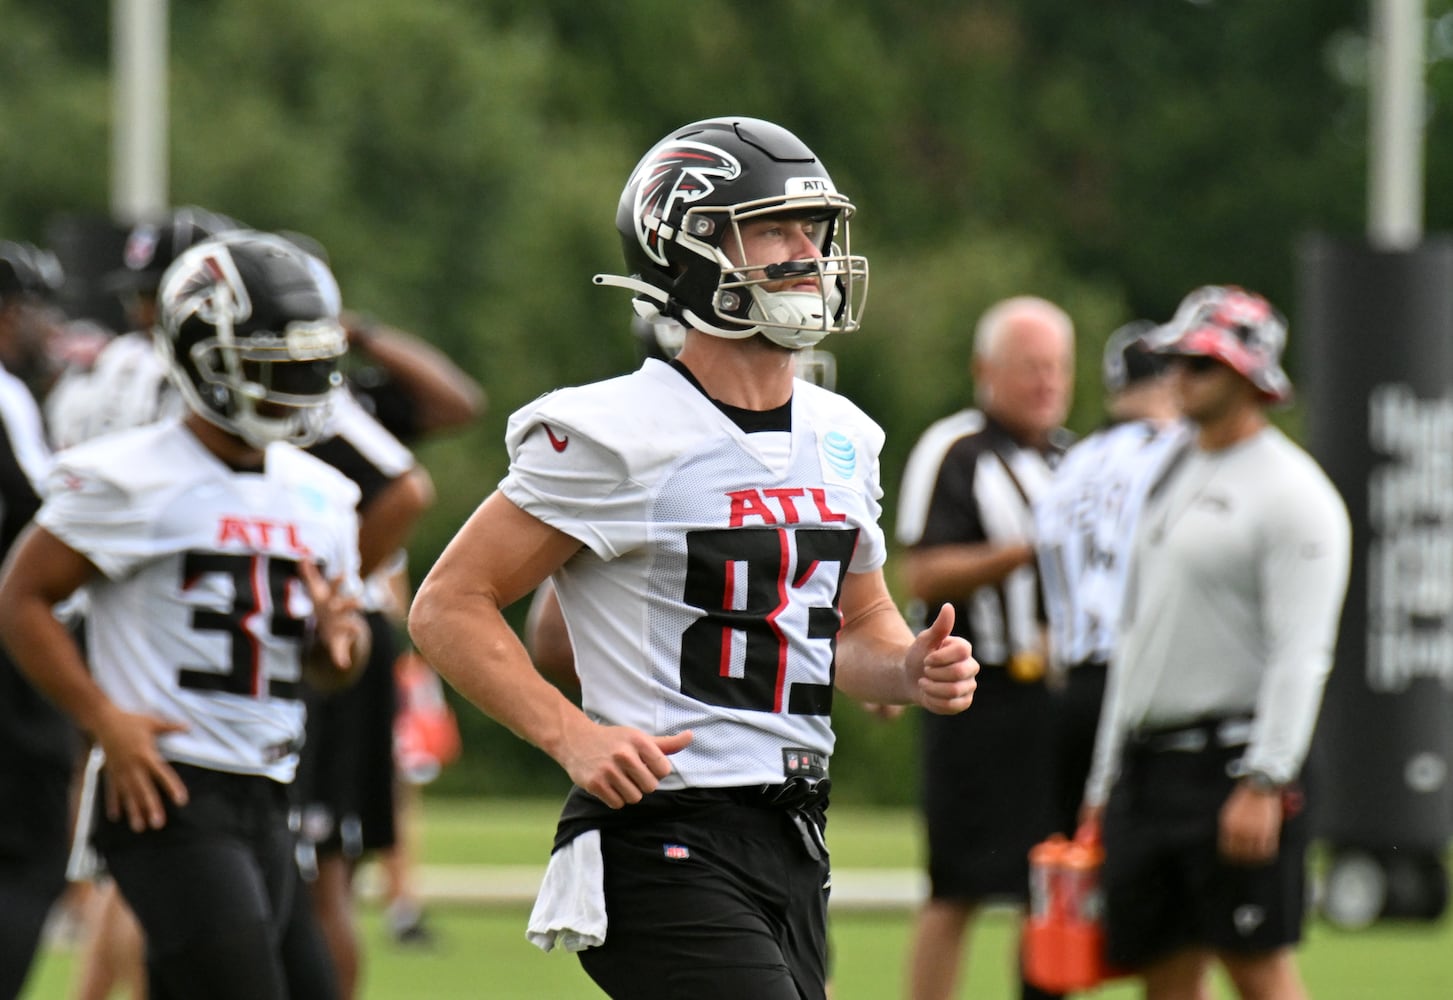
{"x": 1166, "y": 886}
{"x": 34, "y": 820}
{"x": 345, "y": 787}
{"x": 218, "y": 895}
{"x": 987, "y": 789}
{"x": 1077, "y": 716}
{"x": 714, "y": 896}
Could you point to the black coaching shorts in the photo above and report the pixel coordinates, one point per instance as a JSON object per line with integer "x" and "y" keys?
{"x": 725, "y": 901}
{"x": 988, "y": 789}
{"x": 1166, "y": 885}
{"x": 34, "y": 820}
{"x": 345, "y": 784}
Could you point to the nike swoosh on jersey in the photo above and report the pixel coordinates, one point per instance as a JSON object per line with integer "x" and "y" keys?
{"x": 558, "y": 443}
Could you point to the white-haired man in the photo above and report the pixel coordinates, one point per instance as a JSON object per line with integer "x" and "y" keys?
{"x": 966, "y": 514}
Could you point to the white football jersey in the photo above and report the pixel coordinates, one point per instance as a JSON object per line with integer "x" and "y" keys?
{"x": 1084, "y": 526}
{"x": 706, "y": 595}
{"x": 126, "y": 386}
{"x": 21, "y": 434}
{"x": 357, "y": 445}
{"x": 200, "y": 615}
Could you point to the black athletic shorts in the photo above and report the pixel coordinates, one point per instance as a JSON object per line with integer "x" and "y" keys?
{"x": 36, "y": 817}
{"x": 218, "y": 894}
{"x": 714, "y": 899}
{"x": 988, "y": 789}
{"x": 1076, "y": 720}
{"x": 1166, "y": 886}
{"x": 345, "y": 783}
{"x": 34, "y": 822}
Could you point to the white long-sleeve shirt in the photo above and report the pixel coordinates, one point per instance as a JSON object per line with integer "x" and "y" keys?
{"x": 1237, "y": 579}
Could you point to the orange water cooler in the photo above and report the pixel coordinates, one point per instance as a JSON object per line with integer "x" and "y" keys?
{"x": 1064, "y": 934}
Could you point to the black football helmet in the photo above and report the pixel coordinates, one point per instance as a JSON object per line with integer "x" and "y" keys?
{"x": 248, "y": 323}
{"x": 30, "y": 284}
{"x": 1130, "y": 356}
{"x": 152, "y": 245}
{"x": 699, "y": 184}
{"x": 27, "y": 271}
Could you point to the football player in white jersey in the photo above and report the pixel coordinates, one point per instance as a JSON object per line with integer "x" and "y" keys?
{"x": 37, "y": 743}
{"x": 1084, "y": 524}
{"x": 221, "y": 563}
{"x": 710, "y": 525}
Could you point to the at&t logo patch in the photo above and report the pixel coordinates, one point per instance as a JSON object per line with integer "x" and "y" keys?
{"x": 839, "y": 456}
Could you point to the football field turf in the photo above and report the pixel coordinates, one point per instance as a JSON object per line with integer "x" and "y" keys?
{"x": 481, "y": 951}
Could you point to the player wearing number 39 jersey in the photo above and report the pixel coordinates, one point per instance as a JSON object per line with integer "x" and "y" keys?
{"x": 204, "y": 609}
{"x": 710, "y": 526}
{"x": 219, "y": 560}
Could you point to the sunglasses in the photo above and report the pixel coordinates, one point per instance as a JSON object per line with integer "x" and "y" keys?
{"x": 1197, "y": 364}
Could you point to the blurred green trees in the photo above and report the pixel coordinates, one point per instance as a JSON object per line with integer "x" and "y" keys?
{"x": 461, "y": 161}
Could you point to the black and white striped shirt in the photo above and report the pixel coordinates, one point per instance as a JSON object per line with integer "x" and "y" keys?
{"x": 968, "y": 481}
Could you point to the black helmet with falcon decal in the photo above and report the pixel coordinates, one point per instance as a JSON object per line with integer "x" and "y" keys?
{"x": 699, "y": 184}
{"x": 248, "y": 324}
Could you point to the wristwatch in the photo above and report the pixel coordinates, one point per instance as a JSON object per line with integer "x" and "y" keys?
{"x": 1260, "y": 781}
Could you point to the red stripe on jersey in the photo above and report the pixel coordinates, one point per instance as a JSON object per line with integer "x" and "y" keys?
{"x": 260, "y": 593}
{"x": 782, "y": 643}
{"x": 728, "y": 601}
{"x": 806, "y": 574}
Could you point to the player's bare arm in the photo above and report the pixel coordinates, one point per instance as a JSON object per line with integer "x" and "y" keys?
{"x": 500, "y": 555}
{"x": 946, "y": 572}
{"x": 548, "y": 639}
{"x": 446, "y": 396}
{"x": 385, "y": 522}
{"x": 880, "y": 659}
{"x": 43, "y": 571}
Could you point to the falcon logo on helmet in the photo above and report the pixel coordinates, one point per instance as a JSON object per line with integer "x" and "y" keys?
{"x": 248, "y": 324}
{"x": 682, "y": 213}
{"x": 211, "y": 290}
{"x": 678, "y": 174}
{"x": 141, "y": 244}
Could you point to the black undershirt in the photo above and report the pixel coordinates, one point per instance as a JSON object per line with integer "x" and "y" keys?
{"x": 779, "y": 418}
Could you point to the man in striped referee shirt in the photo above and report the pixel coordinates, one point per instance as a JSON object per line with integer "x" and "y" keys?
{"x": 965, "y": 513}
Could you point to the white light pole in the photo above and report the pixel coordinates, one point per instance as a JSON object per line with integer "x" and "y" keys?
{"x": 138, "y": 109}
{"x": 1395, "y": 160}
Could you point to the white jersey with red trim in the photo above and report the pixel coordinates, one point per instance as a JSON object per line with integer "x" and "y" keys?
{"x": 126, "y": 386}
{"x": 706, "y": 594}
{"x": 200, "y": 615}
{"x": 1084, "y": 524}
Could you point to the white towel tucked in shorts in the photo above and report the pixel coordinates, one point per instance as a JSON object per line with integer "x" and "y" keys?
{"x": 570, "y": 909}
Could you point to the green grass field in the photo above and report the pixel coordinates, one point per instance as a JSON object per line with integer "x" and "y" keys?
{"x": 482, "y": 952}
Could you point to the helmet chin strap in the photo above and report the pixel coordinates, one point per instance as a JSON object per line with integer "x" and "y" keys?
{"x": 260, "y": 431}
{"x": 793, "y": 319}
{"x": 792, "y": 308}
